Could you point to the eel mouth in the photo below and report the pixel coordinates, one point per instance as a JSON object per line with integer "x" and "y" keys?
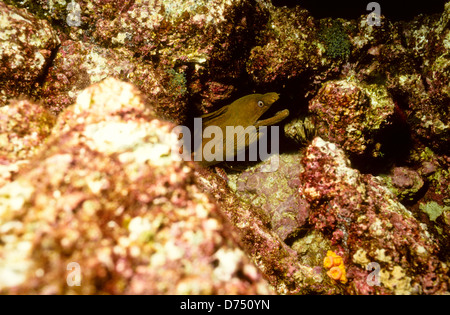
{"x": 279, "y": 116}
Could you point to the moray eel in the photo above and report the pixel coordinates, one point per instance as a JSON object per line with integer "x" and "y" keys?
{"x": 243, "y": 112}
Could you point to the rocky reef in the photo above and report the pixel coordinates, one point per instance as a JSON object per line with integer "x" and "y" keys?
{"x": 368, "y": 224}
{"x": 106, "y": 195}
{"x": 94, "y": 199}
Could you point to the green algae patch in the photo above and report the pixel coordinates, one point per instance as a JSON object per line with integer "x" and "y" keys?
{"x": 337, "y": 42}
{"x": 432, "y": 209}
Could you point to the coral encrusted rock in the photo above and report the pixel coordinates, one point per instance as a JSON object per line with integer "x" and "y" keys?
{"x": 105, "y": 207}
{"x": 366, "y": 223}
{"x": 353, "y": 114}
{"x": 26, "y": 45}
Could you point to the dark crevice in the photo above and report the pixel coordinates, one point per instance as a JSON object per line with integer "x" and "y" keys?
{"x": 396, "y": 144}
{"x": 353, "y": 9}
{"x": 298, "y": 234}
{"x": 48, "y": 64}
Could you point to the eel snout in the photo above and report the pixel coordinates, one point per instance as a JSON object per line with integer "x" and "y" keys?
{"x": 279, "y": 116}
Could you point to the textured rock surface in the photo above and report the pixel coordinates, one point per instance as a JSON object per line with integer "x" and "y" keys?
{"x": 286, "y": 48}
{"x": 23, "y": 127}
{"x": 428, "y": 91}
{"x": 282, "y": 265}
{"x": 363, "y": 219}
{"x": 353, "y": 114}
{"x": 26, "y": 45}
{"x": 404, "y": 183}
{"x": 274, "y": 193}
{"x": 378, "y": 95}
{"x": 105, "y": 193}
{"x": 78, "y": 65}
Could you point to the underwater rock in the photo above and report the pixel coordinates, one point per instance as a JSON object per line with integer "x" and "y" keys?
{"x": 72, "y": 15}
{"x": 76, "y": 66}
{"x": 352, "y": 115}
{"x": 433, "y": 209}
{"x": 281, "y": 265}
{"x": 404, "y": 183}
{"x": 435, "y": 172}
{"x": 26, "y": 46}
{"x": 206, "y": 40}
{"x": 363, "y": 219}
{"x": 429, "y": 91}
{"x": 274, "y": 192}
{"x": 286, "y": 48}
{"x": 23, "y": 127}
{"x": 79, "y": 64}
{"x": 411, "y": 60}
{"x": 167, "y": 42}
{"x": 106, "y": 200}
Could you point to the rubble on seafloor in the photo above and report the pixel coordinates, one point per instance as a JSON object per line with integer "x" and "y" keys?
{"x": 358, "y": 202}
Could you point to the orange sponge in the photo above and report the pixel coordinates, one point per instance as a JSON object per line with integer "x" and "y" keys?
{"x": 336, "y": 267}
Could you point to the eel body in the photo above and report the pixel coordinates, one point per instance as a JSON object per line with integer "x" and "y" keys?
{"x": 228, "y": 131}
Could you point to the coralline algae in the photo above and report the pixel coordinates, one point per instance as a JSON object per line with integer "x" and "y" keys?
{"x": 361, "y": 216}
{"x": 274, "y": 193}
{"x": 103, "y": 176}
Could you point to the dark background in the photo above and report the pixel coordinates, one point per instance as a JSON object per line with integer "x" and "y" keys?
{"x": 352, "y": 9}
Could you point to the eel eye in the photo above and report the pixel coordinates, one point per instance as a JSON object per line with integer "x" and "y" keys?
{"x": 260, "y": 103}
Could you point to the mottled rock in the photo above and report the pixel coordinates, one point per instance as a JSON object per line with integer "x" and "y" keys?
{"x": 435, "y": 172}
{"x": 26, "y": 45}
{"x": 302, "y": 130}
{"x": 353, "y": 114}
{"x": 287, "y": 47}
{"x": 433, "y": 209}
{"x": 23, "y": 127}
{"x": 404, "y": 183}
{"x": 362, "y": 219}
{"x": 169, "y": 40}
{"x": 281, "y": 265}
{"x": 78, "y": 65}
{"x": 210, "y": 37}
{"x": 423, "y": 79}
{"x": 274, "y": 192}
{"x": 106, "y": 198}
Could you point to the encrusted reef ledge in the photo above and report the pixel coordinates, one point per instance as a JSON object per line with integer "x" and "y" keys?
{"x": 104, "y": 194}
{"x": 90, "y": 91}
